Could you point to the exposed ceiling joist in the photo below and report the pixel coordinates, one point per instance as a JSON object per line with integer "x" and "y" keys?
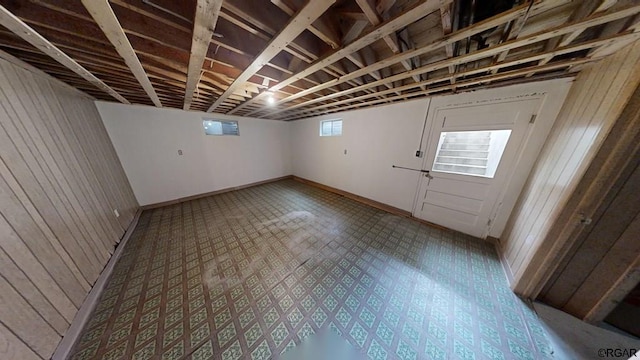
{"x": 596, "y": 44}
{"x": 454, "y": 37}
{"x": 468, "y": 83}
{"x": 303, "y": 19}
{"x": 447, "y": 27}
{"x": 594, "y": 20}
{"x": 340, "y": 61}
{"x": 370, "y": 11}
{"x": 354, "y": 31}
{"x": 409, "y": 16}
{"x": 584, "y": 10}
{"x": 24, "y": 31}
{"x": 510, "y": 33}
{"x": 206, "y": 17}
{"x": 322, "y": 27}
{"x": 104, "y": 16}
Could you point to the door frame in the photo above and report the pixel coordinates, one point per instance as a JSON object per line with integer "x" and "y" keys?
{"x": 550, "y": 94}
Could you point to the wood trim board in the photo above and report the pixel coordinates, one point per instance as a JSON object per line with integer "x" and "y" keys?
{"x": 72, "y": 336}
{"x": 216, "y": 192}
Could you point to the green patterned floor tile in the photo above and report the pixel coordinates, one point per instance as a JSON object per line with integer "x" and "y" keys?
{"x": 204, "y": 352}
{"x": 200, "y": 334}
{"x": 262, "y": 352}
{"x": 319, "y": 317}
{"x": 226, "y": 334}
{"x": 359, "y": 334}
{"x": 146, "y": 334}
{"x": 253, "y": 334}
{"x": 405, "y": 352}
{"x": 295, "y": 317}
{"x": 250, "y": 273}
{"x": 305, "y": 331}
{"x": 147, "y": 352}
{"x": 279, "y": 334}
{"x": 377, "y": 351}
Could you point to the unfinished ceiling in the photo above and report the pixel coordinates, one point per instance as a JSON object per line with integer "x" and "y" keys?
{"x": 289, "y": 59}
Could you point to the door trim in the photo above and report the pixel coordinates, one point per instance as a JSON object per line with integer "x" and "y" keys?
{"x": 550, "y": 93}
{"x": 435, "y": 113}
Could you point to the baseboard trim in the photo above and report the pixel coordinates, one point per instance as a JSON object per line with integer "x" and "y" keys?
{"x": 72, "y": 335}
{"x": 505, "y": 265}
{"x": 216, "y": 192}
{"x": 358, "y": 198}
{"x": 494, "y": 240}
{"x": 373, "y": 203}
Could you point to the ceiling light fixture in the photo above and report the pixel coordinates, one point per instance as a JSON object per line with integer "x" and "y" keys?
{"x": 270, "y": 98}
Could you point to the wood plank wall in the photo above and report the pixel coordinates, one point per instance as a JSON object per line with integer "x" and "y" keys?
{"x": 594, "y": 103}
{"x": 598, "y": 265}
{"x": 60, "y": 180}
{"x": 603, "y": 257}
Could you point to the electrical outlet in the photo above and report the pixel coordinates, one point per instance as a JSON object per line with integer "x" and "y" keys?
{"x": 115, "y": 211}
{"x": 419, "y": 153}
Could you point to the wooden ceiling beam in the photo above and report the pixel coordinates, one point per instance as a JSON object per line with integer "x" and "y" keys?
{"x": 184, "y": 10}
{"x": 382, "y": 64}
{"x": 490, "y": 68}
{"x": 447, "y": 27}
{"x": 369, "y": 9}
{"x": 40, "y": 17}
{"x": 497, "y": 49}
{"x": 263, "y": 32}
{"x": 585, "y": 9}
{"x": 296, "y": 25}
{"x": 304, "y": 47}
{"x": 308, "y": 77}
{"x": 354, "y": 31}
{"x": 595, "y": 20}
{"x": 104, "y": 16}
{"x": 24, "y": 31}
{"x": 409, "y": 16}
{"x": 512, "y": 30}
{"x": 175, "y": 22}
{"x": 323, "y": 27}
{"x": 468, "y": 83}
{"x": 206, "y": 16}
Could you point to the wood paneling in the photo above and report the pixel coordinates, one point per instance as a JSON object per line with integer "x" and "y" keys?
{"x": 598, "y": 266}
{"x": 601, "y": 257}
{"x": 60, "y": 182}
{"x": 595, "y": 102}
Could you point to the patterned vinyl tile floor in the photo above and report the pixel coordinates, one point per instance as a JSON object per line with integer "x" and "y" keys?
{"x": 250, "y": 274}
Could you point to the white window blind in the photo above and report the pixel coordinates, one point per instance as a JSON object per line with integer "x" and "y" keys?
{"x": 331, "y": 128}
{"x": 218, "y": 127}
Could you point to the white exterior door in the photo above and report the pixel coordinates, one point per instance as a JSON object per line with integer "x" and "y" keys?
{"x": 471, "y": 154}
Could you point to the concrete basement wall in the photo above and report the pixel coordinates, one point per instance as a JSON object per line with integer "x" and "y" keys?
{"x": 147, "y": 141}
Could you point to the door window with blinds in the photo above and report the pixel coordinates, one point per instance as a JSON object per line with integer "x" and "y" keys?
{"x": 331, "y": 127}
{"x": 219, "y": 127}
{"x": 475, "y": 153}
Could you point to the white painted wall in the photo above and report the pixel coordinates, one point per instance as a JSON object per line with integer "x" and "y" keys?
{"x": 147, "y": 141}
{"x": 375, "y": 139}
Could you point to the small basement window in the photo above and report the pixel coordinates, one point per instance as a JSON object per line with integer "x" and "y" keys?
{"x": 331, "y": 127}
{"x": 475, "y": 153}
{"x": 218, "y": 127}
